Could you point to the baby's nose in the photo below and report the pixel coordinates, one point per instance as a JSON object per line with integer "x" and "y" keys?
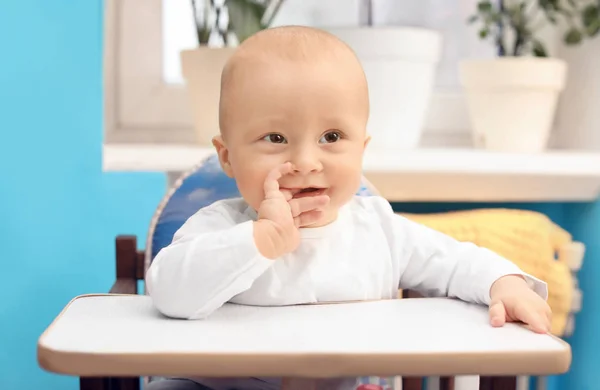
{"x": 306, "y": 163}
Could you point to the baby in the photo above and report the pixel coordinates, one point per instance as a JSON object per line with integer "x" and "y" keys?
{"x": 293, "y": 115}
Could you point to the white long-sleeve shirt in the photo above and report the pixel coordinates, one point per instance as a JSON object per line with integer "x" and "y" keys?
{"x": 367, "y": 253}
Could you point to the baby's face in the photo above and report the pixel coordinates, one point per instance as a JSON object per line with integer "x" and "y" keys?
{"x": 312, "y": 114}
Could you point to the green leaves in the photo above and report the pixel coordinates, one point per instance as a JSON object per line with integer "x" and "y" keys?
{"x": 484, "y": 6}
{"x": 489, "y": 18}
{"x": 522, "y": 20}
{"x": 590, "y": 18}
{"x": 549, "y": 5}
{"x": 538, "y": 49}
{"x": 583, "y": 22}
{"x": 573, "y": 36}
{"x": 245, "y": 17}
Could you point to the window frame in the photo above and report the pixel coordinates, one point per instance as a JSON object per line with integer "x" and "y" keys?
{"x": 141, "y": 108}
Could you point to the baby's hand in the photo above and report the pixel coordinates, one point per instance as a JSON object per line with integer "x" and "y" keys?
{"x": 513, "y": 300}
{"x": 280, "y": 216}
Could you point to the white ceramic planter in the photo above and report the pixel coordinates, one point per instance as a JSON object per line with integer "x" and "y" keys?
{"x": 400, "y": 65}
{"x": 201, "y": 69}
{"x": 512, "y": 101}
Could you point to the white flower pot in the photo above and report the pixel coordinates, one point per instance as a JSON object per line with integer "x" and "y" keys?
{"x": 512, "y": 101}
{"x": 201, "y": 69}
{"x": 400, "y": 65}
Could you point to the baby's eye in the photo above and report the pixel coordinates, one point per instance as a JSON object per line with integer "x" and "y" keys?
{"x": 275, "y": 138}
{"x": 330, "y": 137}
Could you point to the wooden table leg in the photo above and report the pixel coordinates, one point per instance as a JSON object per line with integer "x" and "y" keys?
{"x": 90, "y": 383}
{"x": 447, "y": 383}
{"x": 412, "y": 383}
{"x": 125, "y": 384}
{"x": 497, "y": 383}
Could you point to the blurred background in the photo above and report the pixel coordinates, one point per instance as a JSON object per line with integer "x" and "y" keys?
{"x": 476, "y": 105}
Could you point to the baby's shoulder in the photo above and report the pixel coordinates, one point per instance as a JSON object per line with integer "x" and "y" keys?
{"x": 375, "y": 215}
{"x": 372, "y": 208}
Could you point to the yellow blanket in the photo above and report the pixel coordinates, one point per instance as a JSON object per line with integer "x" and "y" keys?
{"x": 529, "y": 239}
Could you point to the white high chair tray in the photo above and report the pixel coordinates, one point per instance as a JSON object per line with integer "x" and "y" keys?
{"x": 123, "y": 335}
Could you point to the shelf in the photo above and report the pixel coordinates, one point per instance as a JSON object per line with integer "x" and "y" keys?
{"x": 424, "y": 174}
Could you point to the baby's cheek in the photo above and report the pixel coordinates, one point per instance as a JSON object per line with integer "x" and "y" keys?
{"x": 251, "y": 190}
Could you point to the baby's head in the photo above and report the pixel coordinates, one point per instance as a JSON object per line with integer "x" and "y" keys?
{"x": 294, "y": 94}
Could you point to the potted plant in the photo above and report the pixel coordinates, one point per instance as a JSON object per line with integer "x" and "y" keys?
{"x": 400, "y": 65}
{"x": 512, "y": 99}
{"x": 220, "y": 27}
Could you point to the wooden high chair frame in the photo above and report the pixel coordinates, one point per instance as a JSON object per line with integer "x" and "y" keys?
{"x": 130, "y": 268}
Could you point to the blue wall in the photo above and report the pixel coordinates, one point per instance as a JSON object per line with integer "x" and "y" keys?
{"x": 58, "y": 212}
{"x": 584, "y": 222}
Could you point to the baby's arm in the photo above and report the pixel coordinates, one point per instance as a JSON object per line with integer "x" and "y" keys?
{"x": 438, "y": 265}
{"x": 210, "y": 260}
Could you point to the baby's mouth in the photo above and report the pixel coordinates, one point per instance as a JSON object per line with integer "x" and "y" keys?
{"x": 306, "y": 192}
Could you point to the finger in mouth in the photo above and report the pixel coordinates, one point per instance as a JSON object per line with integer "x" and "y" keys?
{"x": 309, "y": 191}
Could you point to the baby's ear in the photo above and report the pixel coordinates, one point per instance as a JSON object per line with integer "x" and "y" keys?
{"x": 367, "y": 140}
{"x": 223, "y": 154}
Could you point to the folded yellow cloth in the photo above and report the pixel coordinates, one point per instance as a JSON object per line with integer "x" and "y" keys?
{"x": 529, "y": 239}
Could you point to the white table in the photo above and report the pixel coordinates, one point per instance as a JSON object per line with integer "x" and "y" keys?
{"x": 123, "y": 335}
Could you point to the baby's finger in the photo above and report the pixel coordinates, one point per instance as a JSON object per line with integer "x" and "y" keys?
{"x": 308, "y": 218}
{"x": 547, "y": 321}
{"x": 497, "y": 314}
{"x": 546, "y": 314}
{"x": 271, "y": 185}
{"x": 538, "y": 326}
{"x": 532, "y": 317}
{"x": 302, "y": 205}
{"x": 287, "y": 194}
{"x": 547, "y": 311}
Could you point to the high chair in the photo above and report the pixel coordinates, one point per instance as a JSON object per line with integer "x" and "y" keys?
{"x": 95, "y": 337}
